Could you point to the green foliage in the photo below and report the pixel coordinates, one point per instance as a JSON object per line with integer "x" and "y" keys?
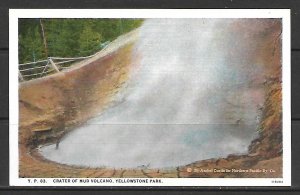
{"x": 31, "y": 45}
{"x": 89, "y": 41}
{"x": 68, "y": 37}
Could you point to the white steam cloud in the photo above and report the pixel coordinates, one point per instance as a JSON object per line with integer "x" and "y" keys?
{"x": 183, "y": 104}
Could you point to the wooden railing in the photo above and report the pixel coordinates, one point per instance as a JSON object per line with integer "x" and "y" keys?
{"x": 38, "y": 69}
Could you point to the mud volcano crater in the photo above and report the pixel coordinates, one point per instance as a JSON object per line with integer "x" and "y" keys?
{"x": 170, "y": 102}
{"x": 171, "y": 112}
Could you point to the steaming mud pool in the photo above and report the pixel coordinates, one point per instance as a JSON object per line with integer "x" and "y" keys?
{"x": 155, "y": 146}
{"x": 188, "y": 100}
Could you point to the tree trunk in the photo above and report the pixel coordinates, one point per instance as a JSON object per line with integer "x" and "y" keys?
{"x": 44, "y": 38}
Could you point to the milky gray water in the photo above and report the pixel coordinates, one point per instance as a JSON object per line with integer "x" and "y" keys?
{"x": 186, "y": 101}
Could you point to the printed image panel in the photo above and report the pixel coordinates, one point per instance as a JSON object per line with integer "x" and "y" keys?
{"x": 157, "y": 101}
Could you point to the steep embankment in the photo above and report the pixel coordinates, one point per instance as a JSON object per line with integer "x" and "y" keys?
{"x": 51, "y": 106}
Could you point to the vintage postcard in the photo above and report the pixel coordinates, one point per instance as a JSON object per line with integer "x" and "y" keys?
{"x": 150, "y": 97}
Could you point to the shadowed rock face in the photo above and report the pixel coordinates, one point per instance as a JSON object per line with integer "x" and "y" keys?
{"x": 191, "y": 72}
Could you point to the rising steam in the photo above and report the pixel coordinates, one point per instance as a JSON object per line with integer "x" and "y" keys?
{"x": 187, "y": 101}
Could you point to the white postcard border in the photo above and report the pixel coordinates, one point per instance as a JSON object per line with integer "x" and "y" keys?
{"x": 15, "y": 14}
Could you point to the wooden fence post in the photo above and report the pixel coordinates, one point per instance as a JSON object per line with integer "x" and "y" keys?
{"x": 53, "y": 65}
{"x": 20, "y": 76}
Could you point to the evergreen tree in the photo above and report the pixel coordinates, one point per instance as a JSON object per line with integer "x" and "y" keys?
{"x": 89, "y": 41}
{"x": 31, "y": 46}
{"x": 68, "y": 37}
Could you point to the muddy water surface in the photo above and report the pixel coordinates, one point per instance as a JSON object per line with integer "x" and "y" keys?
{"x": 156, "y": 146}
